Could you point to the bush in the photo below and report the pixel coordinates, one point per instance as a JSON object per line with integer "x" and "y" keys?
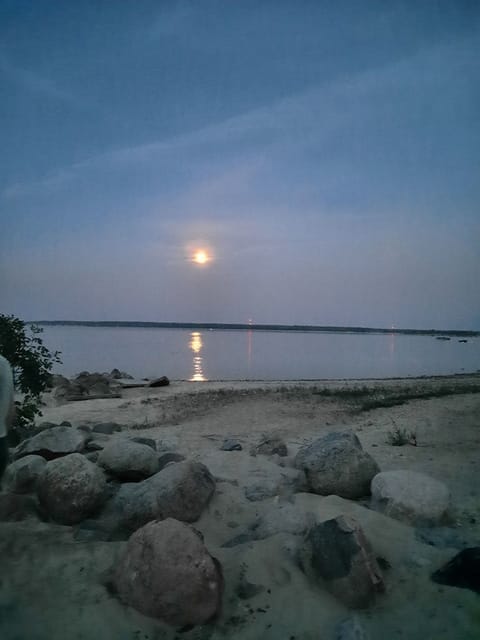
{"x": 32, "y": 365}
{"x": 400, "y": 437}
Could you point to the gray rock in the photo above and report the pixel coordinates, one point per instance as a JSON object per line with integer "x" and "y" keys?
{"x": 148, "y": 442}
{"x": 97, "y": 442}
{"x": 342, "y": 557}
{"x": 71, "y": 488}
{"x": 53, "y": 443}
{"x": 59, "y": 380}
{"x": 106, "y": 428}
{"x": 281, "y": 518}
{"x": 128, "y": 460}
{"x": 169, "y": 458}
{"x": 445, "y": 537}
{"x": 163, "y": 381}
{"x": 166, "y": 572}
{"x": 180, "y": 491}
{"x": 412, "y": 497}
{"x": 116, "y": 374}
{"x": 337, "y": 464}
{"x": 271, "y": 445}
{"x": 22, "y": 475}
{"x": 229, "y": 444}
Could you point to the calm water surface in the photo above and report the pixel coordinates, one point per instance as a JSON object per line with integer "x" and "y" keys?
{"x": 182, "y": 354}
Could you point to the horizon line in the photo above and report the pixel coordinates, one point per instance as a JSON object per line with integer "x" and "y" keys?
{"x": 256, "y": 326}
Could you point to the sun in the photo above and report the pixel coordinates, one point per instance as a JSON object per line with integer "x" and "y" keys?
{"x": 201, "y": 257}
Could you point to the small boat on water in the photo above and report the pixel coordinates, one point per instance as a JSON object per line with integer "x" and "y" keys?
{"x": 442, "y": 338}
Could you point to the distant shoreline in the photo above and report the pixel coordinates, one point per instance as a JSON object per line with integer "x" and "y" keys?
{"x": 253, "y": 327}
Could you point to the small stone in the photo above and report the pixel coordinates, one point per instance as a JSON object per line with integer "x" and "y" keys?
{"x": 163, "y": 381}
{"x": 230, "y": 444}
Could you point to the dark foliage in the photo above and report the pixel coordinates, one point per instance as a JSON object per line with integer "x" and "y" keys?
{"x": 32, "y": 365}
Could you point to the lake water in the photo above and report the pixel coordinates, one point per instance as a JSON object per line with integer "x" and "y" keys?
{"x": 182, "y": 354}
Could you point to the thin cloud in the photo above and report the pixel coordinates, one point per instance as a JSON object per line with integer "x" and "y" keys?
{"x": 315, "y": 114}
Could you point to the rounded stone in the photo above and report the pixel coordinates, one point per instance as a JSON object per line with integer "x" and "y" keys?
{"x": 412, "y": 497}
{"x": 166, "y": 572}
{"x": 71, "y": 488}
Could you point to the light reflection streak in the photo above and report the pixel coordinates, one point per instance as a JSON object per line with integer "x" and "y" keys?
{"x": 196, "y": 346}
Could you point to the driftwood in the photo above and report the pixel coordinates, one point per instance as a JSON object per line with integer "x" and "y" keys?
{"x": 101, "y": 396}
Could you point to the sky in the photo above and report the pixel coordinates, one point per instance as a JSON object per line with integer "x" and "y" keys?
{"x": 324, "y": 155}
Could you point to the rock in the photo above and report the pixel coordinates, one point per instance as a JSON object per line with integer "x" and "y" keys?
{"x": 116, "y": 374}
{"x": 53, "y": 443}
{"x": 71, "y": 488}
{"x": 337, "y": 464}
{"x": 169, "y": 458}
{"x": 128, "y": 460}
{"x": 93, "y": 383}
{"x": 229, "y": 444}
{"x": 259, "y": 476}
{"x": 106, "y": 428}
{"x": 342, "y": 557}
{"x": 22, "y": 475}
{"x": 281, "y": 518}
{"x": 15, "y": 507}
{"x": 58, "y": 380}
{"x": 148, "y": 442}
{"x": 97, "y": 442}
{"x": 445, "y": 537}
{"x": 84, "y": 385}
{"x": 412, "y": 497}
{"x": 45, "y": 425}
{"x": 159, "y": 382}
{"x": 269, "y": 446}
{"x": 462, "y": 571}
{"x": 180, "y": 491}
{"x": 350, "y": 629}
{"x": 166, "y": 572}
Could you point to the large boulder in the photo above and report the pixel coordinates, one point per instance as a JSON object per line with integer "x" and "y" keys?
{"x": 166, "y": 572}
{"x": 181, "y": 491}
{"x": 53, "y": 443}
{"x": 342, "y": 557}
{"x": 337, "y": 464}
{"x": 71, "y": 488}
{"x": 22, "y": 474}
{"x": 412, "y": 497}
{"x": 128, "y": 460}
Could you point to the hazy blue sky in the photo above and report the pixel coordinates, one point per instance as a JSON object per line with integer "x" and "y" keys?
{"x": 326, "y": 154}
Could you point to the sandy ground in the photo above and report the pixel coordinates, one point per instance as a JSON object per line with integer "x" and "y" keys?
{"x": 52, "y": 585}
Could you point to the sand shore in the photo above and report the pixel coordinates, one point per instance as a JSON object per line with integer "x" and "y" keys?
{"x": 52, "y": 583}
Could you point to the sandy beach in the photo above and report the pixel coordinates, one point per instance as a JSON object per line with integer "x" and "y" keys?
{"x": 53, "y": 581}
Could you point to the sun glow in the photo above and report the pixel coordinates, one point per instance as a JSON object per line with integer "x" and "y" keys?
{"x": 201, "y": 257}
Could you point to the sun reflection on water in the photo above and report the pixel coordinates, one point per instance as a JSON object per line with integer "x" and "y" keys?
{"x": 196, "y": 346}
